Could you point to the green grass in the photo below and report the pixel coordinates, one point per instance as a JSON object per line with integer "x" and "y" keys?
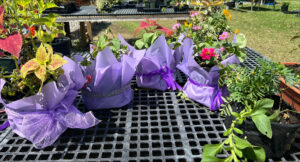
{"x": 267, "y": 31}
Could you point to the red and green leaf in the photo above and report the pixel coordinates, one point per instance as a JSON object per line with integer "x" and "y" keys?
{"x": 41, "y": 73}
{"x": 12, "y": 44}
{"x": 31, "y": 65}
{"x": 41, "y": 55}
{"x": 56, "y": 62}
{"x": 167, "y": 31}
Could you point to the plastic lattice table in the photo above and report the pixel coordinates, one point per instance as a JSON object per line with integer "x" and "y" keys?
{"x": 156, "y": 126}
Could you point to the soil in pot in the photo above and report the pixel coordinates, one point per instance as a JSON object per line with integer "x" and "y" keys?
{"x": 283, "y": 135}
{"x": 201, "y": 63}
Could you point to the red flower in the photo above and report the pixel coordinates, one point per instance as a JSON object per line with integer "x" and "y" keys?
{"x": 207, "y": 53}
{"x": 32, "y": 30}
{"x": 89, "y": 80}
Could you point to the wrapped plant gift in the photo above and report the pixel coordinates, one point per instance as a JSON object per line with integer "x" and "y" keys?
{"x": 43, "y": 117}
{"x": 202, "y": 86}
{"x": 111, "y": 77}
{"x": 157, "y": 69}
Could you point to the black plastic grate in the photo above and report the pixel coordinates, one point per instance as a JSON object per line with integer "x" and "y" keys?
{"x": 156, "y": 126}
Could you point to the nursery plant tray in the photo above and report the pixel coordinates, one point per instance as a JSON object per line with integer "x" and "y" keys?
{"x": 89, "y": 13}
{"x": 155, "y": 126}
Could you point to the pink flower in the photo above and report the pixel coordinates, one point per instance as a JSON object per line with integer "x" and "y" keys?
{"x": 196, "y": 27}
{"x": 194, "y": 14}
{"x": 176, "y": 26}
{"x": 207, "y": 53}
{"x": 222, "y": 49}
{"x": 224, "y": 36}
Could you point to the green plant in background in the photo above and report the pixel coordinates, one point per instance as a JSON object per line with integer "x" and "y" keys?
{"x": 152, "y": 31}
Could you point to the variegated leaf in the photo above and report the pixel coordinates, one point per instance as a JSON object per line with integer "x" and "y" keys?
{"x": 56, "y": 62}
{"x": 41, "y": 73}
{"x": 49, "y": 50}
{"x": 31, "y": 65}
{"x": 42, "y": 55}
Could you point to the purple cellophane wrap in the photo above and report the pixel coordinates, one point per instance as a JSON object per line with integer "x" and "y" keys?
{"x": 157, "y": 70}
{"x": 202, "y": 86}
{"x": 110, "y": 87}
{"x": 43, "y": 117}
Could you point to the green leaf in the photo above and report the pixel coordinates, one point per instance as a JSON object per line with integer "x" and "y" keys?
{"x": 263, "y": 124}
{"x": 147, "y": 37}
{"x": 254, "y": 153}
{"x": 238, "y": 152}
{"x": 235, "y": 114}
{"x": 139, "y": 44}
{"x": 227, "y": 132}
{"x": 116, "y": 43}
{"x": 259, "y": 153}
{"x": 265, "y": 103}
{"x": 212, "y": 149}
{"x": 211, "y": 158}
{"x": 241, "y": 143}
{"x": 241, "y": 40}
{"x": 259, "y": 111}
{"x": 275, "y": 116}
{"x": 237, "y": 130}
{"x": 50, "y": 5}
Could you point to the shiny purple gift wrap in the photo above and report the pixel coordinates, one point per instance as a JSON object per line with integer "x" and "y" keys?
{"x": 110, "y": 87}
{"x": 43, "y": 117}
{"x": 202, "y": 86}
{"x": 157, "y": 70}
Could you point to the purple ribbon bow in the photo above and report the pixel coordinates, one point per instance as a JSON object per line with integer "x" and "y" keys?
{"x": 166, "y": 74}
{"x": 4, "y": 126}
{"x": 216, "y": 99}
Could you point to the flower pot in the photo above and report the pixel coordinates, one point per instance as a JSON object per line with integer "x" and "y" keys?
{"x": 110, "y": 84}
{"x": 282, "y": 138}
{"x": 8, "y": 64}
{"x": 230, "y": 5}
{"x": 43, "y": 117}
{"x": 290, "y": 94}
{"x": 62, "y": 45}
{"x": 284, "y": 8}
{"x": 157, "y": 69}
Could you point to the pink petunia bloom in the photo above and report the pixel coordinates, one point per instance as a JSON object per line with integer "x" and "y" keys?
{"x": 207, "y": 53}
{"x": 224, "y": 36}
{"x": 197, "y": 27}
{"x": 176, "y": 26}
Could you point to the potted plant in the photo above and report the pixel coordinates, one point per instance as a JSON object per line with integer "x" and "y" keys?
{"x": 180, "y": 6}
{"x": 109, "y": 68}
{"x": 291, "y": 94}
{"x": 205, "y": 55}
{"x": 256, "y": 128}
{"x": 104, "y": 6}
{"x": 285, "y": 7}
{"x": 157, "y": 69}
{"x": 38, "y": 96}
{"x": 63, "y": 7}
